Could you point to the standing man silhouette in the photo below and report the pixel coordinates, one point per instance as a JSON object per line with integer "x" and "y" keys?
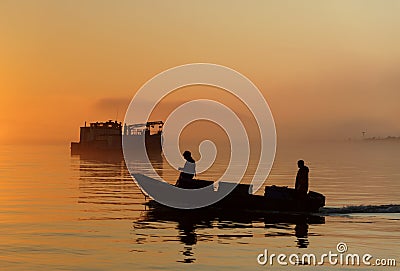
{"x": 301, "y": 185}
{"x": 189, "y": 169}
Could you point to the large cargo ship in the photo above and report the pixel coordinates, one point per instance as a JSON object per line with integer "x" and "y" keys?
{"x": 106, "y": 137}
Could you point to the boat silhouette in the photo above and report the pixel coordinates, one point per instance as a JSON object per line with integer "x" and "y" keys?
{"x": 275, "y": 198}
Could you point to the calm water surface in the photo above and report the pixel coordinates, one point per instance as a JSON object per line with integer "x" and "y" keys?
{"x": 62, "y": 212}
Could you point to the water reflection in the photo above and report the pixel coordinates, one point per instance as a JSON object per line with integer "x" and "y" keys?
{"x": 235, "y": 225}
{"x": 106, "y": 189}
{"x": 301, "y": 232}
{"x": 113, "y": 158}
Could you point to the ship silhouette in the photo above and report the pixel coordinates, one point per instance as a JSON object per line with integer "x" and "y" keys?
{"x": 106, "y": 137}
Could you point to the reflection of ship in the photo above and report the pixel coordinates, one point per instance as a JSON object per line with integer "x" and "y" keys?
{"x": 383, "y": 139}
{"x": 106, "y": 190}
{"x": 107, "y": 137}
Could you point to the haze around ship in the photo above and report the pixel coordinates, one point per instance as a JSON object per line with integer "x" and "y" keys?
{"x": 328, "y": 70}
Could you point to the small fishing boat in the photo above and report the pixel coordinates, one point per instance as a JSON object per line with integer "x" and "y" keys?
{"x": 275, "y": 198}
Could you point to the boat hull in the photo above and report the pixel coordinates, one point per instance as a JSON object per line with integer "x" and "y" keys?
{"x": 274, "y": 199}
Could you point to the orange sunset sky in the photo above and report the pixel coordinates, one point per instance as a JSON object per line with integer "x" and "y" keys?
{"x": 328, "y": 69}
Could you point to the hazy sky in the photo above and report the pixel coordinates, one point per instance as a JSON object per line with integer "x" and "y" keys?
{"x": 328, "y": 69}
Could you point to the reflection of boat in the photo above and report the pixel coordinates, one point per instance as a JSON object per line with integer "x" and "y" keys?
{"x": 158, "y": 212}
{"x": 107, "y": 137}
{"x": 274, "y": 198}
{"x": 190, "y": 221}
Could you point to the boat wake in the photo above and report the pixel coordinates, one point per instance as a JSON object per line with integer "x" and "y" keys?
{"x": 368, "y": 209}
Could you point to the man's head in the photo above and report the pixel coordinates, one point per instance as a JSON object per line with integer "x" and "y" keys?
{"x": 300, "y": 163}
{"x": 187, "y": 154}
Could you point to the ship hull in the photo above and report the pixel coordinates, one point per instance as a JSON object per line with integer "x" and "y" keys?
{"x": 153, "y": 145}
